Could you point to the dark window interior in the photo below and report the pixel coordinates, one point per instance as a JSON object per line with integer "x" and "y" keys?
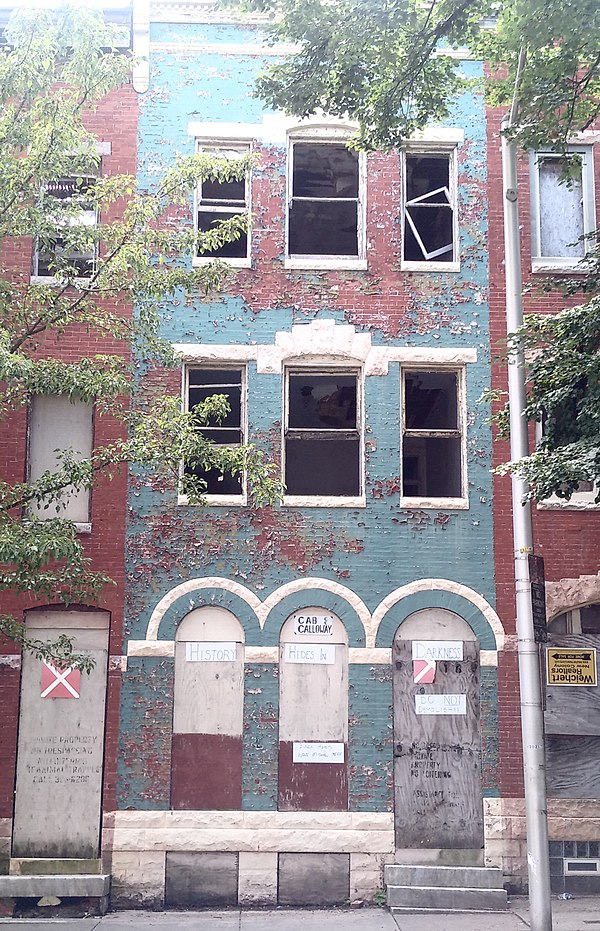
{"x": 203, "y": 384}
{"x": 428, "y": 209}
{"x": 322, "y": 447}
{"x": 323, "y": 216}
{"x": 214, "y": 199}
{"x": 236, "y": 249}
{"x": 590, "y": 619}
{"x": 432, "y": 446}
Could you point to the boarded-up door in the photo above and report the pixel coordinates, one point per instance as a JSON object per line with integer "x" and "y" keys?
{"x": 437, "y": 752}
{"x": 61, "y": 742}
{"x": 206, "y": 768}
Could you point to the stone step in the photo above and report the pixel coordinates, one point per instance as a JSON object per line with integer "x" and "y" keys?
{"x": 472, "y": 877}
{"x": 440, "y": 856}
{"x": 446, "y": 898}
{"x": 63, "y": 886}
{"x": 22, "y": 866}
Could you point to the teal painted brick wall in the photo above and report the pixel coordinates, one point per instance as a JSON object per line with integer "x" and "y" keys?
{"x": 370, "y": 738}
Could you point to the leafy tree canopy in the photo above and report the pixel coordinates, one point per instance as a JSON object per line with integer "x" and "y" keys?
{"x": 55, "y": 70}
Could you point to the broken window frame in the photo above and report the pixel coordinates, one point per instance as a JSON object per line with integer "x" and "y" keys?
{"x": 540, "y": 262}
{"x": 321, "y": 500}
{"x": 94, "y": 222}
{"x": 331, "y": 136}
{"x": 449, "y": 152}
{"x": 222, "y": 148}
{"x": 228, "y": 498}
{"x": 441, "y": 501}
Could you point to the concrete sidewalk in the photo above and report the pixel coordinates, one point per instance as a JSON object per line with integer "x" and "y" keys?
{"x": 581, "y": 914}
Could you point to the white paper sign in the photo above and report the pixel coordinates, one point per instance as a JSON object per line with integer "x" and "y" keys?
{"x": 438, "y": 649}
{"x": 318, "y": 753}
{"x": 313, "y": 623}
{"x": 321, "y": 653}
{"x": 211, "y": 651}
{"x": 441, "y": 704}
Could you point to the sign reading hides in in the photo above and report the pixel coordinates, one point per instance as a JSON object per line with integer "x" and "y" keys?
{"x": 211, "y": 651}
{"x": 441, "y": 704}
{"x": 318, "y": 752}
{"x": 570, "y": 666}
{"x": 449, "y": 650}
{"x": 321, "y": 653}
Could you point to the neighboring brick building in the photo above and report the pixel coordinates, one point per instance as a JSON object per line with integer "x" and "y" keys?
{"x": 566, "y": 534}
{"x": 258, "y": 748}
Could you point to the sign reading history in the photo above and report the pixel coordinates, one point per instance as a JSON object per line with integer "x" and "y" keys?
{"x": 321, "y": 653}
{"x": 314, "y": 752}
{"x": 571, "y": 666}
{"x": 211, "y": 651}
{"x": 313, "y": 623}
{"x": 441, "y": 704}
{"x": 448, "y": 650}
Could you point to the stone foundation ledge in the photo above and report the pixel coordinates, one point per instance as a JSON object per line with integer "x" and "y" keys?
{"x": 247, "y": 840}
{"x": 250, "y": 820}
{"x": 75, "y": 885}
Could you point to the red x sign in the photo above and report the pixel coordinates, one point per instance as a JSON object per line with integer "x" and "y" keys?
{"x": 60, "y": 683}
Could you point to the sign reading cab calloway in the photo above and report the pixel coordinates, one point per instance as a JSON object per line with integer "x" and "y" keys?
{"x": 313, "y": 622}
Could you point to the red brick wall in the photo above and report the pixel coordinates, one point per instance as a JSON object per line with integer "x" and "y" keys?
{"x": 115, "y": 121}
{"x": 568, "y": 540}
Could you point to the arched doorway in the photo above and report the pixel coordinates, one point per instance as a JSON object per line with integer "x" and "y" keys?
{"x": 437, "y": 747}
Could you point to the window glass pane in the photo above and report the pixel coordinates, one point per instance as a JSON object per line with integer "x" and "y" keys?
{"x": 431, "y": 401}
{"x": 560, "y": 624}
{"x": 590, "y": 619}
{"x": 322, "y": 402}
{"x": 431, "y": 467}
{"x": 322, "y": 466}
{"x": 561, "y": 211}
{"x": 323, "y": 170}
{"x": 323, "y": 228}
{"x": 213, "y": 382}
{"x": 426, "y": 175}
{"x": 238, "y": 249}
{"x": 228, "y": 192}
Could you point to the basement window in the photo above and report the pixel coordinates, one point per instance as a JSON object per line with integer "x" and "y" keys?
{"x": 562, "y": 207}
{"x": 325, "y": 218}
{"x": 221, "y": 200}
{"x": 322, "y": 443}
{"x": 72, "y": 250}
{"x": 433, "y": 438}
{"x": 430, "y": 234}
{"x": 203, "y": 383}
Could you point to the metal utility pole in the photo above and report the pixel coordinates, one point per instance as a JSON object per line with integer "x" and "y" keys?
{"x": 532, "y": 715}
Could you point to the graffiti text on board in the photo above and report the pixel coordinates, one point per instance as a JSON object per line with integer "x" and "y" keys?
{"x": 449, "y": 650}
{"x": 313, "y": 624}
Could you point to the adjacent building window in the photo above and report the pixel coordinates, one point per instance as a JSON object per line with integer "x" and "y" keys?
{"x": 69, "y": 207}
{"x": 322, "y": 434}
{"x": 221, "y": 200}
{"x": 430, "y": 232}
{"x": 562, "y": 206}
{"x": 57, "y": 424}
{"x": 203, "y": 383}
{"x": 432, "y": 435}
{"x": 325, "y": 201}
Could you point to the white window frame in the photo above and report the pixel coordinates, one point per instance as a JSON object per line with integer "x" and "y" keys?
{"x": 540, "y": 263}
{"x": 327, "y": 136}
{"x": 441, "y": 503}
{"x": 579, "y": 500}
{"x": 210, "y": 499}
{"x": 36, "y": 277}
{"x": 220, "y": 148}
{"x": 433, "y": 150}
{"x": 338, "y": 501}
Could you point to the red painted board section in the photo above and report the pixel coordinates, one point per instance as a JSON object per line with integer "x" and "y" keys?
{"x": 206, "y": 772}
{"x": 311, "y": 786}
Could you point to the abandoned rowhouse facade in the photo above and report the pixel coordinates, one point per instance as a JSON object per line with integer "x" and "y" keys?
{"x": 281, "y": 735}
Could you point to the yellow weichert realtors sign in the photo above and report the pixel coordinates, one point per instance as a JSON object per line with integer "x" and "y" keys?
{"x": 570, "y": 666}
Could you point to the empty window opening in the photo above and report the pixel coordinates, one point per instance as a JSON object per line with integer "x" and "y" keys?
{"x": 221, "y": 200}
{"x": 203, "y": 384}
{"x": 432, "y": 441}
{"x": 324, "y": 204}
{"x": 322, "y": 439}
{"x": 428, "y": 209}
{"x": 585, "y": 620}
{"x": 68, "y": 206}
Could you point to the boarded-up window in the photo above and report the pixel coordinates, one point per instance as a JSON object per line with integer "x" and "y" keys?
{"x": 72, "y": 249}
{"x": 324, "y": 212}
{"x": 429, "y": 209}
{"x": 322, "y": 437}
{"x": 221, "y": 200}
{"x": 432, "y": 442}
{"x": 562, "y": 208}
{"x": 58, "y": 424}
{"x": 202, "y": 384}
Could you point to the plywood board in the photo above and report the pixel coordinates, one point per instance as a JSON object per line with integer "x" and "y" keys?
{"x": 573, "y": 767}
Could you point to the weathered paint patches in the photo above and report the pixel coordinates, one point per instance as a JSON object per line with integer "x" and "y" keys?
{"x": 260, "y": 737}
{"x": 370, "y": 738}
